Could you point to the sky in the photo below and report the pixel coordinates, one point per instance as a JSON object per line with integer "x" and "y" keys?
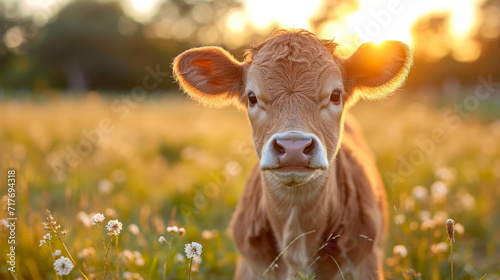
{"x": 370, "y": 21}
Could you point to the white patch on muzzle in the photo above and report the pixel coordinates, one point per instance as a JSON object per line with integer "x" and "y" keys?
{"x": 270, "y": 160}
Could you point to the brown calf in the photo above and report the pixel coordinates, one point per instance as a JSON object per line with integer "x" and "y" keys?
{"x": 315, "y": 173}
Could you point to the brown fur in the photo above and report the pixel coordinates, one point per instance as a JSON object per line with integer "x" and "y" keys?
{"x": 356, "y": 207}
{"x": 291, "y": 74}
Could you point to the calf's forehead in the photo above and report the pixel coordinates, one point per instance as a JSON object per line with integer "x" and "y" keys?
{"x": 292, "y": 63}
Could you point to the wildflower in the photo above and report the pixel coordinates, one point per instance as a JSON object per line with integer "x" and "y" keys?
{"x": 114, "y": 227}
{"x": 440, "y": 217}
{"x": 179, "y": 258}
{"x": 173, "y": 230}
{"x": 450, "y": 227}
{"x": 132, "y": 276}
{"x": 445, "y": 174}
{"x": 439, "y": 190}
{"x": 139, "y": 260}
{"x": 459, "y": 229}
{"x": 63, "y": 266}
{"x": 465, "y": 200}
{"x": 441, "y": 247}
{"x": 193, "y": 249}
{"x": 64, "y": 232}
{"x": 84, "y": 218}
{"x": 57, "y": 253}
{"x": 134, "y": 229}
{"x": 127, "y": 256}
{"x": 105, "y": 186}
{"x": 207, "y": 234}
{"x": 427, "y": 225}
{"x": 88, "y": 252}
{"x": 182, "y": 231}
{"x": 42, "y": 242}
{"x": 399, "y": 219}
{"x": 420, "y": 193}
{"x": 197, "y": 260}
{"x": 46, "y": 226}
{"x": 47, "y": 236}
{"x": 400, "y": 251}
{"x": 162, "y": 240}
{"x": 110, "y": 212}
{"x": 97, "y": 219}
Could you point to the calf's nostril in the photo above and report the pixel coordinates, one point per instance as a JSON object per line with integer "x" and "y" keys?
{"x": 308, "y": 150}
{"x": 278, "y": 147}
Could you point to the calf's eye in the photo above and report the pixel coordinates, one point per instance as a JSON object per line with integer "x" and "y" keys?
{"x": 336, "y": 97}
{"x": 252, "y": 99}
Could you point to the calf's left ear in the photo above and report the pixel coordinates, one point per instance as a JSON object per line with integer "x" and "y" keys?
{"x": 376, "y": 70}
{"x": 210, "y": 75}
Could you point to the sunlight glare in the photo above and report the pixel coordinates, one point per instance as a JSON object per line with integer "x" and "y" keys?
{"x": 287, "y": 13}
{"x": 142, "y": 10}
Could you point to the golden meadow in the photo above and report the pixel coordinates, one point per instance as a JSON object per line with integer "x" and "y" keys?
{"x": 167, "y": 161}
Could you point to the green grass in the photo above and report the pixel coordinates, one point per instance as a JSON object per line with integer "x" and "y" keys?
{"x": 173, "y": 162}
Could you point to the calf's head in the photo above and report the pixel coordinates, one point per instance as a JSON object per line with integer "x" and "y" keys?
{"x": 295, "y": 89}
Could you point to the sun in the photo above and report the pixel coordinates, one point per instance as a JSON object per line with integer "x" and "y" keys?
{"x": 141, "y": 10}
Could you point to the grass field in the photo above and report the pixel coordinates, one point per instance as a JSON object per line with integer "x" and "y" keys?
{"x": 168, "y": 161}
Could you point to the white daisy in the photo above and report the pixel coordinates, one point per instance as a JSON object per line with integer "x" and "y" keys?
{"x": 114, "y": 227}
{"x": 63, "y": 266}
{"x": 97, "y": 219}
{"x": 193, "y": 249}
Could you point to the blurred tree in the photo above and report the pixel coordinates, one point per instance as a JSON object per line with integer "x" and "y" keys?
{"x": 90, "y": 45}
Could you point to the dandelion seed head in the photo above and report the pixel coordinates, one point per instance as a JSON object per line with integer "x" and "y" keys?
{"x": 97, "y": 219}
{"x": 114, "y": 227}
{"x": 63, "y": 266}
{"x": 193, "y": 249}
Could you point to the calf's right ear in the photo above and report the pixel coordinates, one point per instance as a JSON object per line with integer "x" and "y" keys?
{"x": 209, "y": 75}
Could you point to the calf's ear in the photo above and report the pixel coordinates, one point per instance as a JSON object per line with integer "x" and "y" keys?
{"x": 209, "y": 75}
{"x": 376, "y": 70}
